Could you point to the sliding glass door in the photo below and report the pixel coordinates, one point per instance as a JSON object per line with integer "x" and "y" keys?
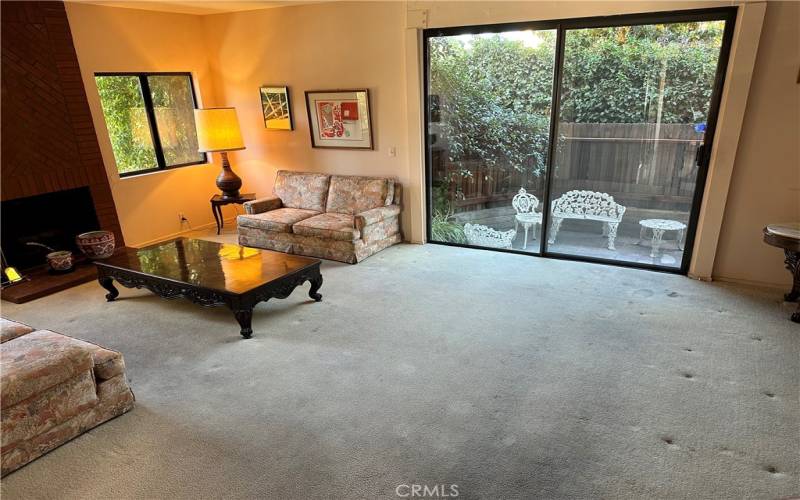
{"x": 592, "y": 132}
{"x": 490, "y": 96}
{"x": 635, "y": 104}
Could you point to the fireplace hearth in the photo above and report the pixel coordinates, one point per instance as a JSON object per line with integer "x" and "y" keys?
{"x": 52, "y": 219}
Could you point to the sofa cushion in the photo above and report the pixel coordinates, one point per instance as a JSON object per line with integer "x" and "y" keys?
{"x": 304, "y": 190}
{"x": 280, "y": 220}
{"x": 11, "y": 330}
{"x": 331, "y": 226}
{"x": 375, "y": 215}
{"x": 114, "y": 398}
{"x": 107, "y": 363}
{"x": 352, "y": 194}
{"x": 49, "y": 408}
{"x": 262, "y": 205}
{"x": 38, "y": 361}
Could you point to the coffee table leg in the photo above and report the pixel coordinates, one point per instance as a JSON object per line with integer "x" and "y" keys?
{"x": 316, "y": 283}
{"x": 245, "y": 318}
{"x": 108, "y": 284}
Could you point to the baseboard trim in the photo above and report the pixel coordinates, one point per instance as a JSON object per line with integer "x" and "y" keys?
{"x": 753, "y": 283}
{"x": 180, "y": 233}
{"x": 723, "y": 279}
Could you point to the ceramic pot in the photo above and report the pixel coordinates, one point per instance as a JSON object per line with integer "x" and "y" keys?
{"x": 60, "y": 261}
{"x": 96, "y": 244}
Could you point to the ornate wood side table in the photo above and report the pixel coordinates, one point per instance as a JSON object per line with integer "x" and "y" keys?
{"x": 787, "y": 237}
{"x": 217, "y": 201}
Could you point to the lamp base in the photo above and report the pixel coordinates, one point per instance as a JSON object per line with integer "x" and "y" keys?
{"x": 227, "y": 181}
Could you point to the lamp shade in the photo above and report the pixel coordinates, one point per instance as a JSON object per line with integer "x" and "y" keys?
{"x": 217, "y": 130}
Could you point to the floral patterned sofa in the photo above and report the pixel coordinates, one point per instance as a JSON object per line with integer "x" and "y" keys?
{"x": 54, "y": 388}
{"x": 337, "y": 217}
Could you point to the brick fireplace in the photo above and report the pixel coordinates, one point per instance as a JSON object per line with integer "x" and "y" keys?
{"x": 48, "y": 138}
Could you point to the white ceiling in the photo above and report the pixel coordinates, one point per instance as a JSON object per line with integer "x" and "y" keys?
{"x": 198, "y": 7}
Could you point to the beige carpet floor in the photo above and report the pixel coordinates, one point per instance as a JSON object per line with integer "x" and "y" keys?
{"x": 509, "y": 376}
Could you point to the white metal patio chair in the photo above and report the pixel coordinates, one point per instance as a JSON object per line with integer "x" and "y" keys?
{"x": 525, "y": 204}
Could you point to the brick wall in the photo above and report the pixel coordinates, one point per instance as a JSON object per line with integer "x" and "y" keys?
{"x": 48, "y": 138}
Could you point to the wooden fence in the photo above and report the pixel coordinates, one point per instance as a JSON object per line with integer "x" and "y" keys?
{"x": 625, "y": 160}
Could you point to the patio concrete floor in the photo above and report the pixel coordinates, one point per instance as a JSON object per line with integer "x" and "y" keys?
{"x": 594, "y": 244}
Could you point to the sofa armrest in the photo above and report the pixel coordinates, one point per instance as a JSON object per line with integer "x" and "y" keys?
{"x": 376, "y": 215}
{"x": 262, "y": 205}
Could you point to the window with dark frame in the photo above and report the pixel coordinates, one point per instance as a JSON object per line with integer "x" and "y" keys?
{"x": 150, "y": 120}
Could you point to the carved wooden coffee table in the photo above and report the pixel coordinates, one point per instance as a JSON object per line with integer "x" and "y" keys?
{"x": 211, "y": 274}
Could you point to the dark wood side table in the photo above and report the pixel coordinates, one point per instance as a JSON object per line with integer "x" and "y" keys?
{"x": 787, "y": 237}
{"x": 217, "y": 201}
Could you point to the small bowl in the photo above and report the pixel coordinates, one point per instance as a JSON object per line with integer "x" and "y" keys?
{"x": 60, "y": 261}
{"x": 96, "y": 244}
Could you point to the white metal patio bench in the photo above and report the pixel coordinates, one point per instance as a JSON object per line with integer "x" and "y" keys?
{"x": 587, "y": 205}
{"x": 484, "y": 236}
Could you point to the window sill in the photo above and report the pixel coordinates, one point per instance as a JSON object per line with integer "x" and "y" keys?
{"x": 145, "y": 173}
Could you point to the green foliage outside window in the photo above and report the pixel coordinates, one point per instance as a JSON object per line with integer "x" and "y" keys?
{"x": 495, "y": 92}
{"x": 129, "y": 127}
{"x": 618, "y": 75}
{"x": 494, "y": 98}
{"x": 126, "y": 120}
{"x": 174, "y": 111}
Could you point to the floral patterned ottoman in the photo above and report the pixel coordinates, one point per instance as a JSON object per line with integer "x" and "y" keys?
{"x": 54, "y": 388}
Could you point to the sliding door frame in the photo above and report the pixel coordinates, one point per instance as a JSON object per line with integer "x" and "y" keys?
{"x": 727, "y": 14}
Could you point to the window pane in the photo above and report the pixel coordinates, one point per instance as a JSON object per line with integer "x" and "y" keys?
{"x": 489, "y": 106}
{"x": 174, "y": 110}
{"x": 634, "y": 106}
{"x": 126, "y": 120}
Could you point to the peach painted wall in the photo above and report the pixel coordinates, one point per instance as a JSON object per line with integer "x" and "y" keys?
{"x": 117, "y": 39}
{"x": 311, "y": 47}
{"x": 465, "y": 13}
{"x": 305, "y": 47}
{"x": 765, "y": 187}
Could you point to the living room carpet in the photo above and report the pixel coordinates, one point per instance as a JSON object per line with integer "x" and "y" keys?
{"x": 509, "y": 376}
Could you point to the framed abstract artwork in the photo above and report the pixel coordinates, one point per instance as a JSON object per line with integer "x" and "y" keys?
{"x": 339, "y": 119}
{"x": 277, "y": 108}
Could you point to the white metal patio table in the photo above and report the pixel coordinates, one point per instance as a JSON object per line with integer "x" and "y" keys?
{"x": 658, "y": 227}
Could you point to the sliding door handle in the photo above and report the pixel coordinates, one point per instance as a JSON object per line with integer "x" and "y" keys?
{"x": 699, "y": 155}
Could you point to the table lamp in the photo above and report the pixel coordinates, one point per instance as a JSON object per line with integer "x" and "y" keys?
{"x": 218, "y": 131}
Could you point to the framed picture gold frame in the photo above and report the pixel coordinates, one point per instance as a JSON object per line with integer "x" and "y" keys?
{"x": 277, "y": 107}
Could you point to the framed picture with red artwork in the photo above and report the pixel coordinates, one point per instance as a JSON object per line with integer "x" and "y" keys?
{"x": 339, "y": 119}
